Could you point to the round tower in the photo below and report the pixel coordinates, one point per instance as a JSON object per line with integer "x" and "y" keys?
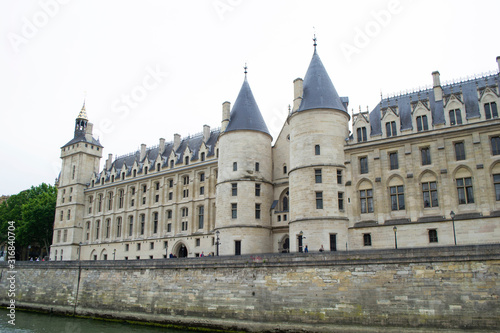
{"x": 244, "y": 187}
{"x": 318, "y": 129}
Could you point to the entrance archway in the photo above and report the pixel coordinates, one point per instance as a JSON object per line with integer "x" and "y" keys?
{"x": 284, "y": 244}
{"x": 182, "y": 251}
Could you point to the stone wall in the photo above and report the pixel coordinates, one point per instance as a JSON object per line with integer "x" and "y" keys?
{"x": 447, "y": 287}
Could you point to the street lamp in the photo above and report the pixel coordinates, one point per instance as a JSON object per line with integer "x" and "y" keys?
{"x": 395, "y": 237}
{"x": 217, "y": 241}
{"x": 114, "y": 254}
{"x": 452, "y": 214}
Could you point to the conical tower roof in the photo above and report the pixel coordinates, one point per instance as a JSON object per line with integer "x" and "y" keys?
{"x": 83, "y": 113}
{"x": 319, "y": 92}
{"x": 245, "y": 114}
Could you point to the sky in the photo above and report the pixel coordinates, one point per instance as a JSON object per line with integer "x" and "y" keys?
{"x": 149, "y": 69}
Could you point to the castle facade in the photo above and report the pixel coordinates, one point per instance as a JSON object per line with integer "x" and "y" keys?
{"x": 422, "y": 169}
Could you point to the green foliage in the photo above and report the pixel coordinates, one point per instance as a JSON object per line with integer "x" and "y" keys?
{"x": 33, "y": 211}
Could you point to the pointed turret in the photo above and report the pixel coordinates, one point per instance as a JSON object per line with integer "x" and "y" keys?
{"x": 81, "y": 122}
{"x": 83, "y": 129}
{"x": 319, "y": 92}
{"x": 245, "y": 114}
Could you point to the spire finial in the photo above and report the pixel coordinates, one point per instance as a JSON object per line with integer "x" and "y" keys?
{"x": 315, "y": 41}
{"x": 246, "y": 67}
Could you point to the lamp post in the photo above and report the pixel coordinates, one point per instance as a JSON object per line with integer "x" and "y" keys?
{"x": 452, "y": 214}
{"x": 114, "y": 254}
{"x": 79, "y": 250}
{"x": 395, "y": 237}
{"x": 217, "y": 233}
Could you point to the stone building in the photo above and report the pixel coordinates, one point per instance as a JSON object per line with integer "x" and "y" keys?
{"x": 421, "y": 169}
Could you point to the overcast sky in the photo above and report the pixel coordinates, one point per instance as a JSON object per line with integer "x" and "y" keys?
{"x": 150, "y": 69}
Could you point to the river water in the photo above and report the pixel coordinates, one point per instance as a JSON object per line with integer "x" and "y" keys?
{"x": 29, "y": 322}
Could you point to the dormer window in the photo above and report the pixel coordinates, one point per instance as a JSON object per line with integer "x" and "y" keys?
{"x": 455, "y": 117}
{"x": 490, "y": 110}
{"x": 390, "y": 129}
{"x": 202, "y": 157}
{"x": 361, "y": 134}
{"x": 186, "y": 160}
{"x": 422, "y": 124}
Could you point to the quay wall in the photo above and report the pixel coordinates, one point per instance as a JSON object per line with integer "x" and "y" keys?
{"x": 447, "y": 287}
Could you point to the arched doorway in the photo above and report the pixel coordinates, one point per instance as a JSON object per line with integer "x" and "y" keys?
{"x": 182, "y": 251}
{"x": 284, "y": 244}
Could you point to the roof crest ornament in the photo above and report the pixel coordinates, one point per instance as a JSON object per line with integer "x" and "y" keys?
{"x": 315, "y": 42}
{"x": 246, "y": 67}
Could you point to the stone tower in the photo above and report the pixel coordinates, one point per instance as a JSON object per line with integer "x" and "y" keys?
{"x": 244, "y": 184}
{"x": 80, "y": 159}
{"x": 318, "y": 129}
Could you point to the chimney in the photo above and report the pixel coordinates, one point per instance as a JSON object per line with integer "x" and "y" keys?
{"x": 177, "y": 141}
{"x": 143, "y": 152}
{"x": 206, "y": 133}
{"x": 436, "y": 82}
{"x": 226, "y": 113}
{"x": 161, "y": 147}
{"x": 108, "y": 161}
{"x": 498, "y": 63}
{"x": 88, "y": 132}
{"x": 298, "y": 89}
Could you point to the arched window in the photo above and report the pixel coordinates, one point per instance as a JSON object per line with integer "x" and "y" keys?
{"x": 235, "y": 166}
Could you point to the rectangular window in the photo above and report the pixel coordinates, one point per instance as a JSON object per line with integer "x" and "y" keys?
{"x": 317, "y": 176}
{"x": 126, "y": 247}
{"x": 366, "y": 201}
{"x": 202, "y": 190}
{"x": 422, "y": 124}
{"x": 201, "y": 217}
{"x": 361, "y": 134}
{"x": 157, "y": 186}
{"x": 317, "y": 150}
{"x": 319, "y": 200}
{"x": 433, "y": 236}
{"x": 363, "y": 164}
{"x": 155, "y": 222}
{"x": 257, "y": 166}
{"x": 169, "y": 214}
{"x": 138, "y": 246}
{"x": 237, "y": 247}
{"x": 234, "y": 210}
{"x": 495, "y": 145}
{"x": 455, "y": 117}
{"x": 465, "y": 193}
{"x": 197, "y": 242}
{"x": 341, "y": 200}
{"x": 185, "y": 180}
{"x": 459, "y": 151}
{"x": 393, "y": 159}
{"x": 170, "y": 195}
{"x": 185, "y": 193}
{"x": 339, "y": 176}
{"x": 426, "y": 155}
{"x": 58, "y": 236}
{"x": 390, "y": 129}
{"x": 397, "y": 197}
{"x": 234, "y": 189}
{"x": 169, "y": 227}
{"x": 333, "y": 242}
{"x": 257, "y": 211}
{"x": 257, "y": 190}
{"x": 367, "y": 240}
{"x": 490, "y": 110}
{"x": 235, "y": 166}
{"x": 429, "y": 193}
{"x": 157, "y": 198}
{"x": 170, "y": 183}
{"x": 184, "y": 226}
{"x": 202, "y": 177}
{"x": 144, "y": 200}
{"x": 152, "y": 245}
{"x": 143, "y": 223}
{"x": 496, "y": 182}
{"x": 130, "y": 225}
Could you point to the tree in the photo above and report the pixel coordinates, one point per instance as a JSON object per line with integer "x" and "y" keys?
{"x": 33, "y": 211}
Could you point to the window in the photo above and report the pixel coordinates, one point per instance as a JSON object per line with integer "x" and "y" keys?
{"x": 74, "y": 170}
{"x": 317, "y": 150}
{"x": 127, "y": 246}
{"x": 234, "y": 189}
{"x": 455, "y": 117}
{"x": 97, "y": 226}
{"x": 426, "y": 155}
{"x": 143, "y": 200}
{"x": 397, "y": 197}
{"x": 495, "y": 145}
{"x": 363, "y": 164}
{"x": 257, "y": 166}
{"x": 169, "y": 214}
{"x": 257, "y": 190}
{"x": 197, "y": 242}
{"x": 186, "y": 160}
{"x": 170, "y": 195}
{"x": 339, "y": 176}
{"x": 496, "y": 182}
{"x": 201, "y": 217}
{"x": 143, "y": 223}
{"x": 202, "y": 157}
{"x": 184, "y": 212}
{"x": 433, "y": 236}
{"x": 490, "y": 110}
{"x": 120, "y": 199}
{"x": 155, "y": 222}
{"x": 459, "y": 151}
{"x": 138, "y": 246}
{"x": 234, "y": 211}
{"x": 465, "y": 193}
{"x": 429, "y": 194}
{"x": 366, "y": 201}
{"x": 237, "y": 247}
{"x": 157, "y": 198}
{"x": 393, "y": 160}
{"x": 118, "y": 227}
{"x": 146, "y": 170}
{"x": 341, "y": 200}
{"x": 202, "y": 177}
{"x": 319, "y": 200}
{"x": 132, "y": 202}
{"x": 169, "y": 227}
{"x": 235, "y": 166}
{"x": 61, "y": 217}
{"x": 130, "y": 225}
{"x": 185, "y": 193}
{"x": 170, "y": 183}
{"x": 367, "y": 240}
{"x": 361, "y": 134}
{"x": 185, "y": 180}
{"x": 88, "y": 231}
{"x": 69, "y": 214}
{"x": 158, "y": 167}
{"x": 422, "y": 124}
{"x": 65, "y": 236}
{"x": 132, "y": 190}
{"x": 257, "y": 211}
{"x": 184, "y": 226}
{"x": 58, "y": 236}
{"x": 99, "y": 203}
{"x": 144, "y": 188}
{"x": 157, "y": 186}
{"x": 108, "y": 225}
{"x": 390, "y": 129}
{"x": 172, "y": 164}
{"x": 317, "y": 176}
{"x": 152, "y": 246}
{"x": 284, "y": 170}
{"x": 202, "y": 190}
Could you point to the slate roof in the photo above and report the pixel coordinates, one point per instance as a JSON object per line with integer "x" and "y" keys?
{"x": 319, "y": 91}
{"x": 81, "y": 138}
{"x": 466, "y": 91}
{"x": 245, "y": 114}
